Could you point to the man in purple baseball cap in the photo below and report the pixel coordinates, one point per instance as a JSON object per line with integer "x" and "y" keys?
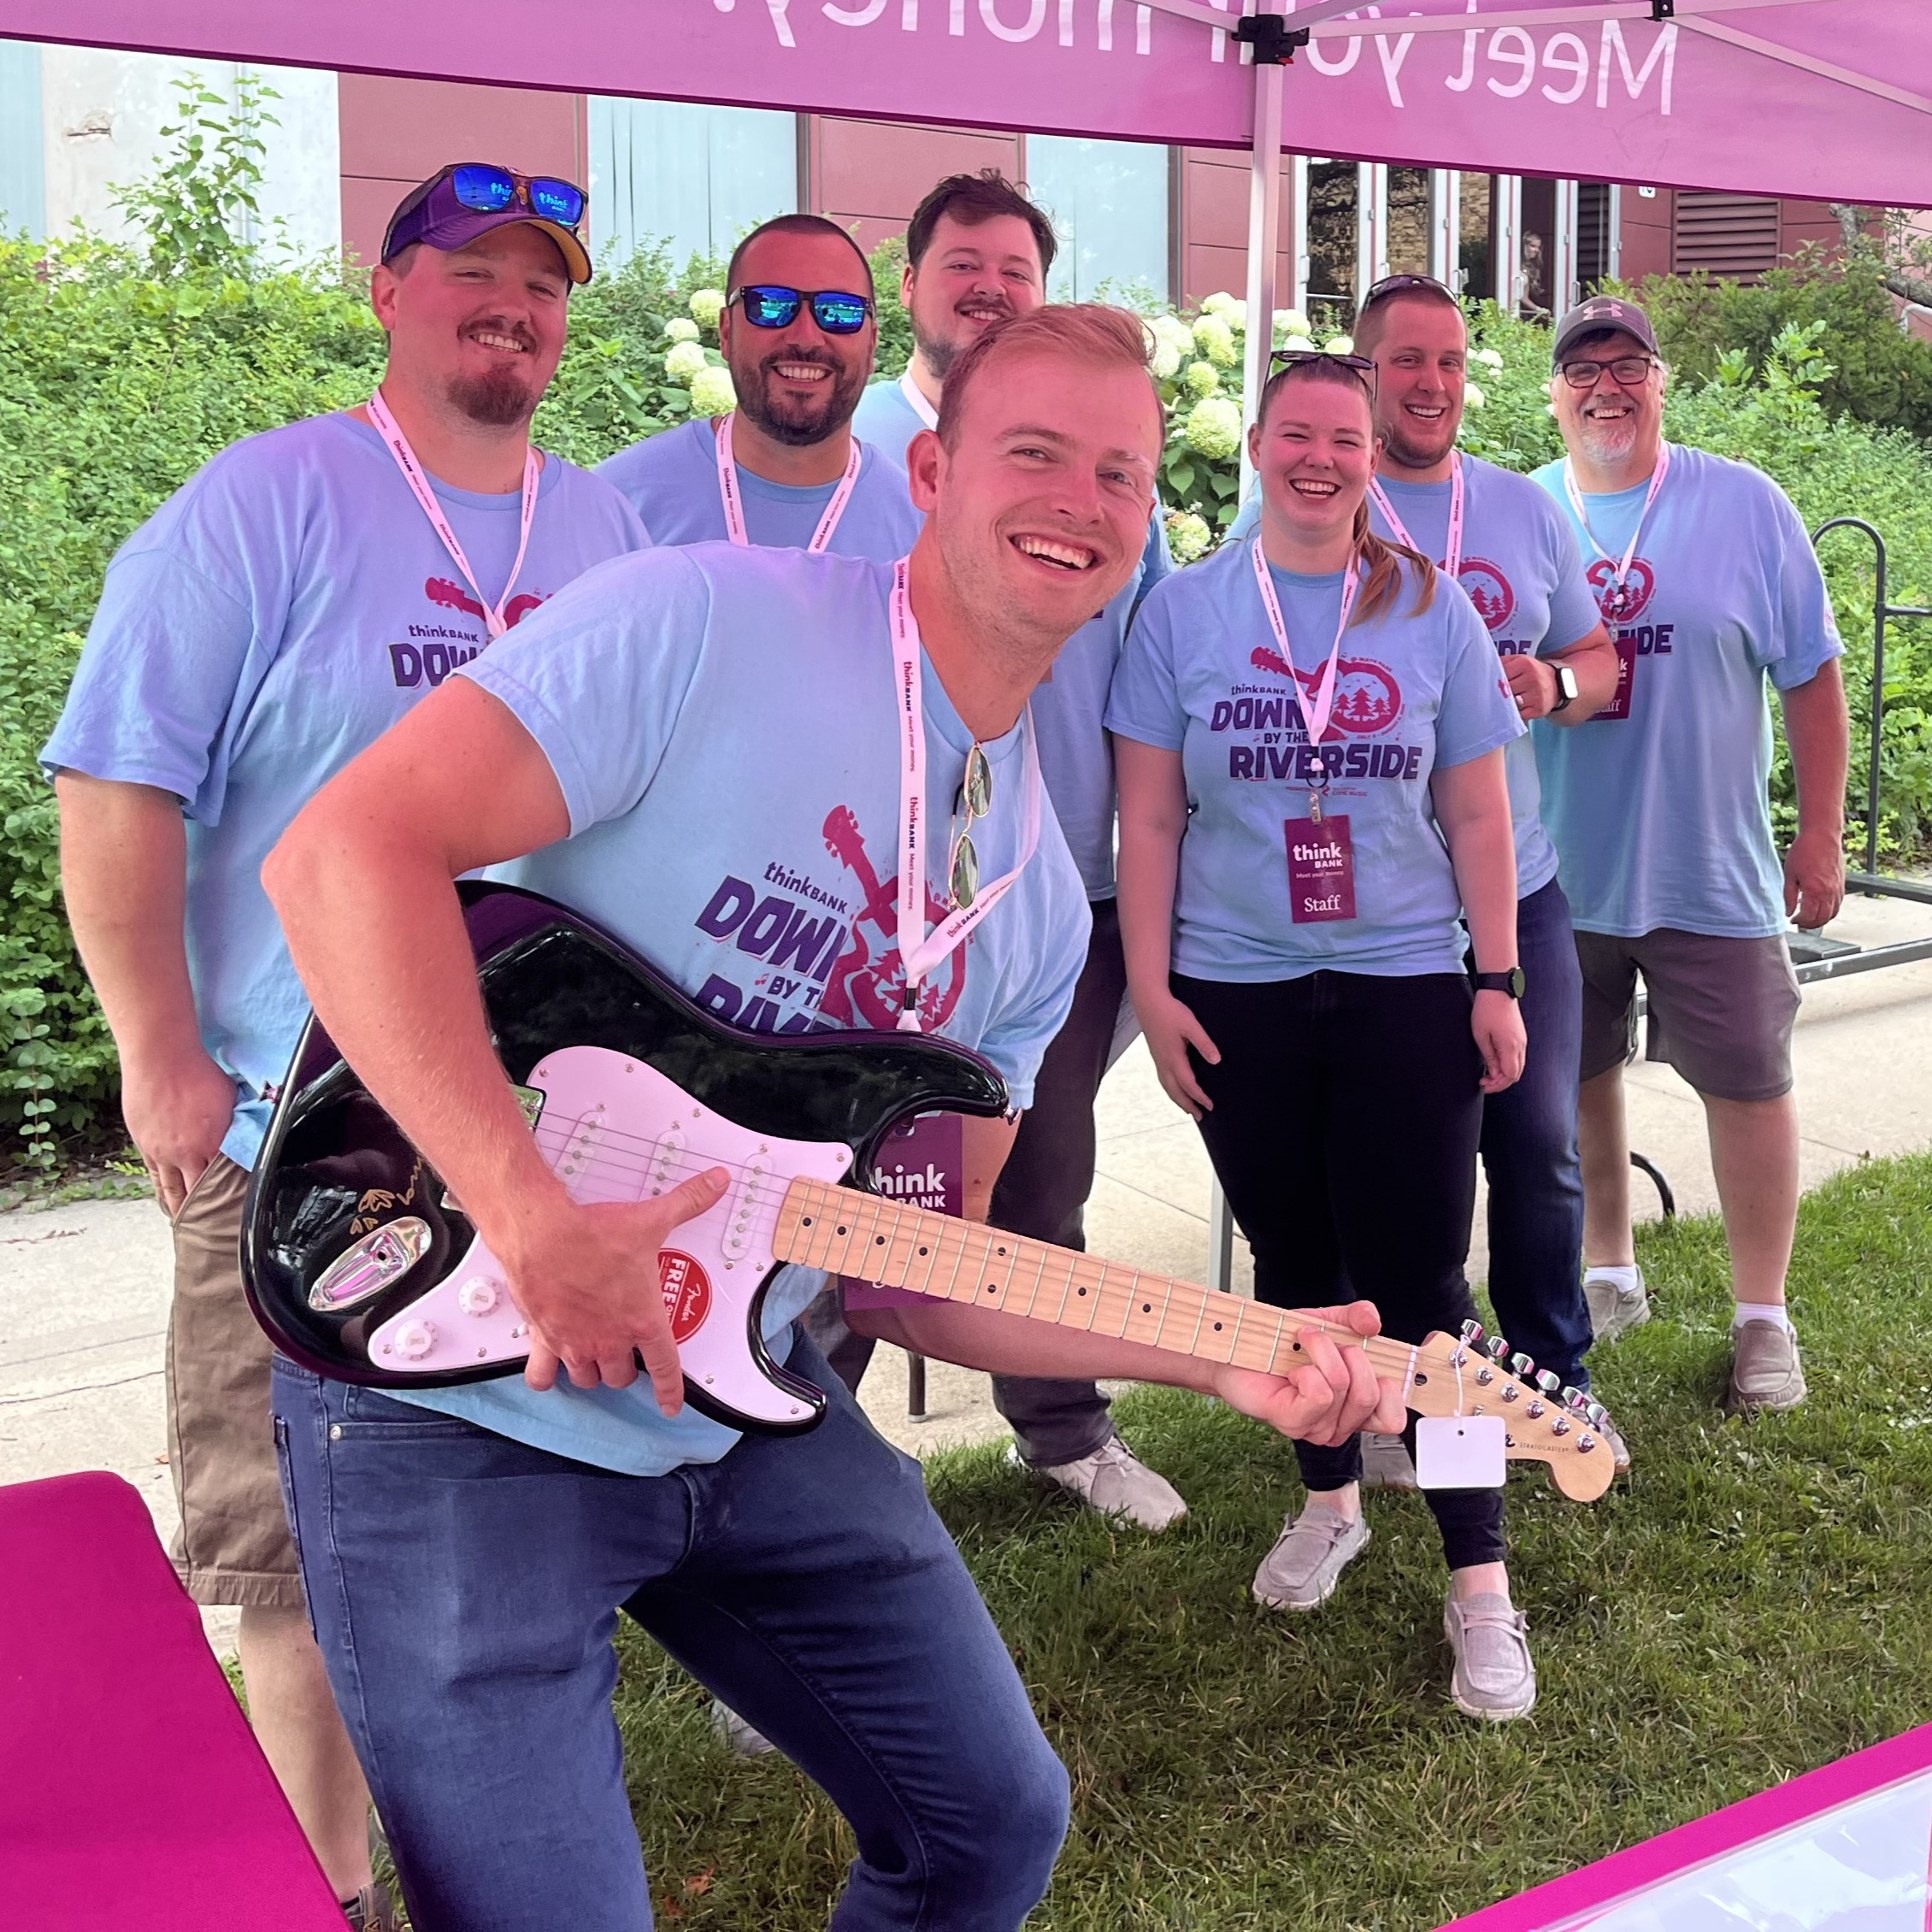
{"x": 282, "y": 610}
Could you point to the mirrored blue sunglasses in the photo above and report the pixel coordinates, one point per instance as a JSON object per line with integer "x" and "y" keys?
{"x": 767, "y": 306}
{"x": 490, "y": 190}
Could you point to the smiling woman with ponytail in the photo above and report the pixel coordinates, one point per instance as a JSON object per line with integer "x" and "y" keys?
{"x": 1293, "y": 721}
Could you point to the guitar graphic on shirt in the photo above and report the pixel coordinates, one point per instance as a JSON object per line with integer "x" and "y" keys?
{"x": 855, "y": 980}
{"x": 454, "y": 597}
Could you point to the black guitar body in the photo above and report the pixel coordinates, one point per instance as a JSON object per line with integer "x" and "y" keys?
{"x": 336, "y": 1170}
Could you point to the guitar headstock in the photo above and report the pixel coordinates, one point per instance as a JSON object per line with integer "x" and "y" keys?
{"x": 1547, "y": 1421}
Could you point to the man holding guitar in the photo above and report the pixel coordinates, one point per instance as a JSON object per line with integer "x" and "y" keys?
{"x": 669, "y": 739}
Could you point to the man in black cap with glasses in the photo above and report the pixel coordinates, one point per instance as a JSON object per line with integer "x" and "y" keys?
{"x": 280, "y": 611}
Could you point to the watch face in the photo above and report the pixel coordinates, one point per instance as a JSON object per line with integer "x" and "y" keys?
{"x": 1566, "y": 683}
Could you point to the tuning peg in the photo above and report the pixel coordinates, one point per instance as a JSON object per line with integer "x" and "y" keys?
{"x": 1497, "y": 1348}
{"x": 1522, "y": 1367}
{"x": 1598, "y": 1414}
{"x": 1472, "y": 1332}
{"x": 1548, "y": 1381}
{"x": 1572, "y": 1397}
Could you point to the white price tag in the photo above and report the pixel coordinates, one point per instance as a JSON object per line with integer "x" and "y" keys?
{"x": 1460, "y": 1452}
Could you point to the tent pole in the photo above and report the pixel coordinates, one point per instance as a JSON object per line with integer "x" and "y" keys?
{"x": 1264, "y": 239}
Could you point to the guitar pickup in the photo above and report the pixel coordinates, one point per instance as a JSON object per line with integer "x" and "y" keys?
{"x": 745, "y": 1207}
{"x": 665, "y": 1157}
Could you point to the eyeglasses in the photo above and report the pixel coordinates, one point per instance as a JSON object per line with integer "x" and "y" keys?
{"x": 1358, "y": 366}
{"x": 1404, "y": 284}
{"x": 1627, "y": 372}
{"x": 766, "y": 306}
{"x": 975, "y": 800}
{"x": 491, "y": 190}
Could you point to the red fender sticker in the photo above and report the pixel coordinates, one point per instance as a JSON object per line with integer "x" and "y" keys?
{"x": 687, "y": 1292}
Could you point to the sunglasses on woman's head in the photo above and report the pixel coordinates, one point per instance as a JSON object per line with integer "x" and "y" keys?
{"x": 767, "y": 306}
{"x": 1358, "y": 366}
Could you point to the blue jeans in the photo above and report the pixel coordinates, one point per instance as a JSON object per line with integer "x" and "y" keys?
{"x": 464, "y": 1589}
{"x": 1529, "y": 1154}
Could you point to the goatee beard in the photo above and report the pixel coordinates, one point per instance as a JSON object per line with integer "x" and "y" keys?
{"x": 803, "y": 424}
{"x": 499, "y": 399}
{"x": 1408, "y": 454}
{"x": 1606, "y": 444}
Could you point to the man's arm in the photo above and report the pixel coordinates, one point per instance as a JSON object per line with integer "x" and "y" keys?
{"x": 124, "y": 870}
{"x": 1818, "y": 728}
{"x": 1472, "y": 806}
{"x": 1534, "y": 679}
{"x": 364, "y": 883}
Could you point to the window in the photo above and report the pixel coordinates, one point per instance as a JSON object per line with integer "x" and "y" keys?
{"x": 23, "y": 182}
{"x": 1734, "y": 236}
{"x": 1477, "y": 254}
{"x": 1108, "y": 200}
{"x": 1408, "y": 221}
{"x": 697, "y": 177}
{"x": 1332, "y": 237}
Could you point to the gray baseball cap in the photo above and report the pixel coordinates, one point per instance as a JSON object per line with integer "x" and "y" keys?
{"x": 1602, "y": 312}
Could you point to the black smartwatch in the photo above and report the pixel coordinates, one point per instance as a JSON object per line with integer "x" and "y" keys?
{"x": 1511, "y": 982}
{"x": 1566, "y": 688}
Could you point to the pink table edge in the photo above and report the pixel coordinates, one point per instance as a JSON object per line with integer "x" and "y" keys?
{"x": 1602, "y": 1884}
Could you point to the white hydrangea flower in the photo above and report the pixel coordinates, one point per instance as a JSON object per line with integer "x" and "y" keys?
{"x": 1213, "y": 429}
{"x": 1338, "y": 345}
{"x": 681, "y": 328}
{"x": 1291, "y": 321}
{"x": 1165, "y": 361}
{"x": 1187, "y": 536}
{"x": 1169, "y": 327}
{"x": 706, "y": 305}
{"x": 712, "y": 393}
{"x": 1473, "y": 396}
{"x": 1221, "y": 303}
{"x": 1202, "y": 378}
{"x": 685, "y": 362}
{"x": 1215, "y": 340}
{"x": 1488, "y": 358}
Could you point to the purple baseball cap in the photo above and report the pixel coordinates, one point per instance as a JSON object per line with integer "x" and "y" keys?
{"x": 1604, "y": 312}
{"x": 469, "y": 198}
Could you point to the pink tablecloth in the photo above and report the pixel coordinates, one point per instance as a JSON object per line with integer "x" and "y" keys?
{"x": 132, "y": 1793}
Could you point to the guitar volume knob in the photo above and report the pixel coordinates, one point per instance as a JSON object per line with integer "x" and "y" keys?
{"x": 478, "y": 1296}
{"x": 414, "y": 1340}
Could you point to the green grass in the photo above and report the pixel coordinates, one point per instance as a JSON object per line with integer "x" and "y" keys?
{"x": 1756, "y": 1602}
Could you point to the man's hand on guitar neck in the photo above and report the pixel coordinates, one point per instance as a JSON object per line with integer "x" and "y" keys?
{"x": 586, "y": 1277}
{"x": 1333, "y": 1396}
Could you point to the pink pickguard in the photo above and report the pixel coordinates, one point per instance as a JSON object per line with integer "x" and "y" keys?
{"x": 618, "y": 1130}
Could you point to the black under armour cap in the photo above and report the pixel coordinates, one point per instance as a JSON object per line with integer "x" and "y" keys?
{"x": 1602, "y": 312}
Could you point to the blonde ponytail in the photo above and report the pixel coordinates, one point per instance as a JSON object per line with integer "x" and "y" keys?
{"x": 1382, "y": 563}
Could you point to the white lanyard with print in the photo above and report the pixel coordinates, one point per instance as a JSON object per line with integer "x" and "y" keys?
{"x": 390, "y": 431}
{"x": 735, "y": 498}
{"x": 1452, "y": 558}
{"x": 1316, "y": 706}
{"x": 1620, "y": 572}
{"x": 916, "y": 396}
{"x": 919, "y": 951}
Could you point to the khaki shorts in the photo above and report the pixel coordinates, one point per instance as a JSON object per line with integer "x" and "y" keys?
{"x": 1719, "y": 1011}
{"x": 233, "y": 1545}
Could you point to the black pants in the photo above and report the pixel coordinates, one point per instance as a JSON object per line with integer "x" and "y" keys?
{"x": 1041, "y": 1192}
{"x": 1347, "y": 1114}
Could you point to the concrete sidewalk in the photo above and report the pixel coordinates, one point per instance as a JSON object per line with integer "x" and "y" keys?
{"x": 84, "y": 1289}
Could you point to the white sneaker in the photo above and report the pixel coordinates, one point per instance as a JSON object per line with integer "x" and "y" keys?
{"x": 744, "y": 1740}
{"x": 1301, "y": 1571}
{"x": 1386, "y": 1463}
{"x": 1494, "y": 1678}
{"x": 1614, "y": 1309}
{"x": 1114, "y": 1480}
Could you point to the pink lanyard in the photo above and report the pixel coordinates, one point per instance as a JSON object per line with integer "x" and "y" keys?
{"x": 1452, "y": 559}
{"x": 390, "y": 433}
{"x": 916, "y": 396}
{"x": 1619, "y": 571}
{"x": 1314, "y": 708}
{"x": 919, "y": 951}
{"x": 735, "y": 498}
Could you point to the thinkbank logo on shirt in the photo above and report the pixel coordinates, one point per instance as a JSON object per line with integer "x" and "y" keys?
{"x": 819, "y": 953}
{"x": 435, "y": 650}
{"x": 1368, "y": 705}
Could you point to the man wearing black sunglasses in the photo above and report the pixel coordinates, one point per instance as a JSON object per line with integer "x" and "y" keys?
{"x": 274, "y": 616}
{"x": 783, "y": 468}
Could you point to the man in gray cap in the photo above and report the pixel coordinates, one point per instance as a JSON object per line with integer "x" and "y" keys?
{"x": 276, "y": 615}
{"x": 1659, "y": 808}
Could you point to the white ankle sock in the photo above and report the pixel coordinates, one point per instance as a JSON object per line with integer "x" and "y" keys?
{"x": 1772, "y": 1311}
{"x": 1629, "y": 1280}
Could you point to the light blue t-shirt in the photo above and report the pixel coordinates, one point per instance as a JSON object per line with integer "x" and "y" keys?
{"x": 1522, "y": 570}
{"x": 722, "y": 724}
{"x": 1075, "y": 754}
{"x": 1663, "y": 818}
{"x": 1202, "y": 675}
{"x": 888, "y": 419}
{"x": 671, "y": 480}
{"x": 273, "y": 618}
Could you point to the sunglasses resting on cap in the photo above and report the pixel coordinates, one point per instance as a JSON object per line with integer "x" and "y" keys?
{"x": 467, "y": 199}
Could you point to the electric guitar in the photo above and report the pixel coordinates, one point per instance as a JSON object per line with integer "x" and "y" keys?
{"x": 361, "y": 1266}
